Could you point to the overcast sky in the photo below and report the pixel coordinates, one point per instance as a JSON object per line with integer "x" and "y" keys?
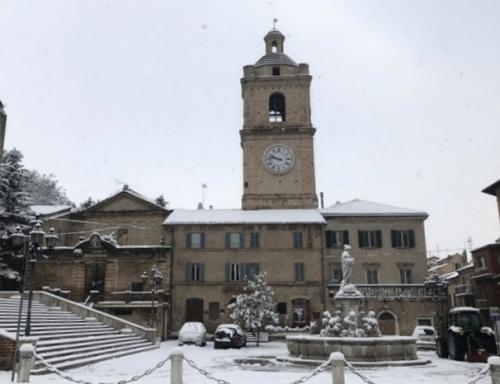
{"x": 405, "y": 99}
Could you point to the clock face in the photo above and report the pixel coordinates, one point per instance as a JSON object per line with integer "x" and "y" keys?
{"x": 278, "y": 158}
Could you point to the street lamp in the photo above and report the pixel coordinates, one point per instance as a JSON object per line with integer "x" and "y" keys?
{"x": 154, "y": 279}
{"x": 33, "y": 247}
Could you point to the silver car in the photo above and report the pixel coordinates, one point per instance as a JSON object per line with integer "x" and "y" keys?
{"x": 193, "y": 332}
{"x": 426, "y": 337}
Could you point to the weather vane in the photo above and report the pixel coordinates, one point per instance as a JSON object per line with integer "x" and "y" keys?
{"x": 274, "y": 23}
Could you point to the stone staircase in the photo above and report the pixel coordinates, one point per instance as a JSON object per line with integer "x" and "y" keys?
{"x": 67, "y": 340}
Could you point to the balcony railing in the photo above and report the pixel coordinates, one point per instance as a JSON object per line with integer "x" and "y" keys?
{"x": 398, "y": 291}
{"x": 464, "y": 289}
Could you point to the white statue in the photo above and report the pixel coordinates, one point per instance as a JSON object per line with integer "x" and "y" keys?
{"x": 347, "y": 266}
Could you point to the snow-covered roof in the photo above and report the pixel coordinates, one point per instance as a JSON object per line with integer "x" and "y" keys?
{"x": 358, "y": 207}
{"x": 49, "y": 209}
{"x": 464, "y": 309}
{"x": 239, "y": 216}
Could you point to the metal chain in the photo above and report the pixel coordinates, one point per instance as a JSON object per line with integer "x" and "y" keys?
{"x": 361, "y": 376}
{"x": 192, "y": 364}
{"x": 480, "y": 375}
{"x": 53, "y": 369}
{"x": 317, "y": 371}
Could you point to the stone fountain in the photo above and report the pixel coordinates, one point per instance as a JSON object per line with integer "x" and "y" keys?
{"x": 349, "y": 331}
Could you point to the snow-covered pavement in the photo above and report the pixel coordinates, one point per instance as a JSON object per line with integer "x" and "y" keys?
{"x": 220, "y": 363}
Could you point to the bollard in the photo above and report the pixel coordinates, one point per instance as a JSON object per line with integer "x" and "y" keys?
{"x": 337, "y": 359}
{"x": 26, "y": 353}
{"x": 176, "y": 357}
{"x": 494, "y": 363}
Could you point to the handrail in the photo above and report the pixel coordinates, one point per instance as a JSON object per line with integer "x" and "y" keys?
{"x": 83, "y": 311}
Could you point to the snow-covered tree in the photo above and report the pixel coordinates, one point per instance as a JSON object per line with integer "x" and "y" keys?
{"x": 44, "y": 190}
{"x": 255, "y": 308}
{"x": 14, "y": 197}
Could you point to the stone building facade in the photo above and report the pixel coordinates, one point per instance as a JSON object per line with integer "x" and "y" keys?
{"x": 104, "y": 249}
{"x": 215, "y": 252}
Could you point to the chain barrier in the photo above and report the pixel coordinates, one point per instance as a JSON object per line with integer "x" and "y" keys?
{"x": 355, "y": 371}
{"x": 482, "y": 373}
{"x": 205, "y": 373}
{"x": 317, "y": 371}
{"x": 53, "y": 369}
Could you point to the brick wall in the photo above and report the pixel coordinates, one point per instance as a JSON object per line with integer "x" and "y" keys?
{"x": 7, "y": 347}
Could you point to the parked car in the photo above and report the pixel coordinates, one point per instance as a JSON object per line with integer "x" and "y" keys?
{"x": 193, "y": 332}
{"x": 229, "y": 336}
{"x": 426, "y": 337}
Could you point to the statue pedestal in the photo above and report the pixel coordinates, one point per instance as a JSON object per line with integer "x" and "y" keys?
{"x": 349, "y": 299}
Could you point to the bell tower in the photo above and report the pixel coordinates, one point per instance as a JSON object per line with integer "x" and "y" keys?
{"x": 277, "y": 134}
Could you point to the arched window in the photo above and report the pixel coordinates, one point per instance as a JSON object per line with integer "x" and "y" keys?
{"x": 276, "y": 107}
{"x": 274, "y": 47}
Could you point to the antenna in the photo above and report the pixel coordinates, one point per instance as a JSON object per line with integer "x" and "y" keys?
{"x": 274, "y": 23}
{"x": 203, "y": 187}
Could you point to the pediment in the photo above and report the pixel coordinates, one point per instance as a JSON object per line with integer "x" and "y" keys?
{"x": 125, "y": 201}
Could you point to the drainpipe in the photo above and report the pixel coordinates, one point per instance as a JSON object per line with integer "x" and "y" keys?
{"x": 171, "y": 301}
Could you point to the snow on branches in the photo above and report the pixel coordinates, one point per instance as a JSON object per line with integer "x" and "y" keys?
{"x": 255, "y": 308}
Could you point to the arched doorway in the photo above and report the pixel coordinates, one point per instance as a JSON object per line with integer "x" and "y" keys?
{"x": 387, "y": 323}
{"x": 194, "y": 309}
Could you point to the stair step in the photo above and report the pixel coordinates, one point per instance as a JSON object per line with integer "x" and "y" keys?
{"x": 76, "y": 335}
{"x": 68, "y": 331}
{"x": 80, "y": 347}
{"x": 103, "y": 350}
{"x": 66, "y": 340}
{"x": 95, "y": 359}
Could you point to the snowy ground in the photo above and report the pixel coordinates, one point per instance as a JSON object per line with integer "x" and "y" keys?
{"x": 221, "y": 364}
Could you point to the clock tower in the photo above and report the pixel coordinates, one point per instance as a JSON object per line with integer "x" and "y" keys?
{"x": 277, "y": 134}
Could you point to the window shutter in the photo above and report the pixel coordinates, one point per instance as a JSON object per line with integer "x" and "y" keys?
{"x": 378, "y": 235}
{"x": 187, "y": 272}
{"x": 244, "y": 272}
{"x": 188, "y": 240}
{"x": 242, "y": 240}
{"x": 227, "y": 240}
{"x": 202, "y": 241}
{"x": 227, "y": 272}
{"x": 394, "y": 239}
{"x": 361, "y": 243}
{"x": 411, "y": 235}
{"x": 202, "y": 272}
{"x": 346, "y": 237}
{"x": 328, "y": 239}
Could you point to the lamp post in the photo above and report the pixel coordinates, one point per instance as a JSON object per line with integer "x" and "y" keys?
{"x": 33, "y": 248}
{"x": 154, "y": 278}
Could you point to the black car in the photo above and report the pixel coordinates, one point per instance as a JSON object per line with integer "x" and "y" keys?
{"x": 229, "y": 336}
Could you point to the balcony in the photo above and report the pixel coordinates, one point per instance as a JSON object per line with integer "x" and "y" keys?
{"x": 399, "y": 291}
{"x": 463, "y": 290}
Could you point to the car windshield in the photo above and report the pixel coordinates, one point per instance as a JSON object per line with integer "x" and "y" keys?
{"x": 469, "y": 321}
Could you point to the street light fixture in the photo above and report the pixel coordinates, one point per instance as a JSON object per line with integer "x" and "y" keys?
{"x": 154, "y": 278}
{"x": 32, "y": 247}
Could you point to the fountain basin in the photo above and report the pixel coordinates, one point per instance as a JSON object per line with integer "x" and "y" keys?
{"x": 384, "y": 348}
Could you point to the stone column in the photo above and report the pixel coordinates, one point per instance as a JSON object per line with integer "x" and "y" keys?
{"x": 337, "y": 359}
{"x": 26, "y": 353}
{"x": 494, "y": 362}
{"x": 176, "y": 357}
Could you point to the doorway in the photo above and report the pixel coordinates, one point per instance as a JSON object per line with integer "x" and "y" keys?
{"x": 194, "y": 309}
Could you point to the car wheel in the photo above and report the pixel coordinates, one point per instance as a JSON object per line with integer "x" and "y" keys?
{"x": 454, "y": 349}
